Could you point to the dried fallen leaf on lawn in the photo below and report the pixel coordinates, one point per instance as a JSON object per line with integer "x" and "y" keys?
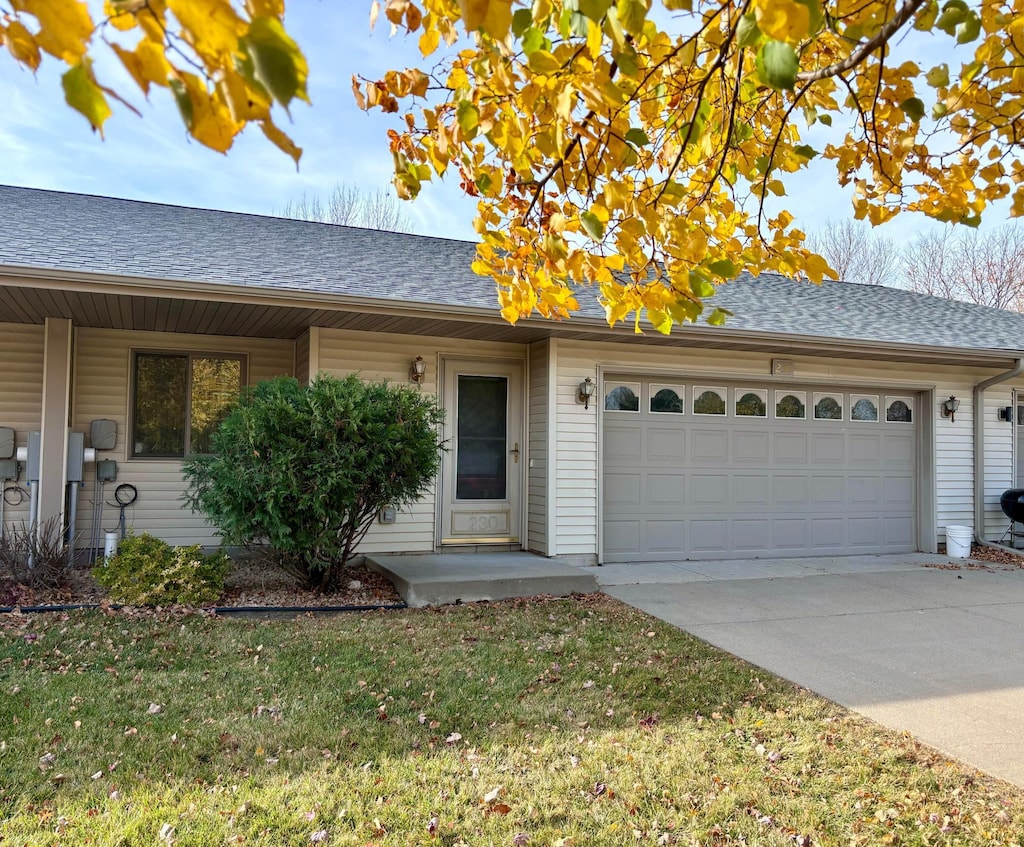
{"x": 432, "y": 825}
{"x": 493, "y": 795}
{"x": 154, "y": 709}
{"x": 454, "y": 738}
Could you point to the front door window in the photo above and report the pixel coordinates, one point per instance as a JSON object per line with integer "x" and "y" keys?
{"x": 482, "y": 430}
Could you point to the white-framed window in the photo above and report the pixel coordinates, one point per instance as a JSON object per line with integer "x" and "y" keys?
{"x": 791, "y": 404}
{"x": 864, "y": 408}
{"x": 708, "y": 400}
{"x": 750, "y": 402}
{"x": 667, "y": 399}
{"x": 179, "y": 398}
{"x": 828, "y": 406}
{"x": 899, "y": 409}
{"x": 622, "y": 397}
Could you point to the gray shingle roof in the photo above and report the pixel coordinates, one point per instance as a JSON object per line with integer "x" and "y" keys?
{"x": 79, "y": 233}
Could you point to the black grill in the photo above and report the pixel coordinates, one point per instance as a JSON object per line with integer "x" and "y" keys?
{"x": 1013, "y": 508}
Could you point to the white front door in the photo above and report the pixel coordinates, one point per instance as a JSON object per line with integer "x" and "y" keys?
{"x": 481, "y": 476}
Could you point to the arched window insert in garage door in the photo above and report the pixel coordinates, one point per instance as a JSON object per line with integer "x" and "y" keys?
{"x": 791, "y": 404}
{"x": 899, "y": 409}
{"x": 667, "y": 399}
{"x": 828, "y": 407}
{"x": 622, "y": 397}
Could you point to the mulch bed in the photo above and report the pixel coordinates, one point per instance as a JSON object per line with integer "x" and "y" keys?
{"x": 251, "y": 582}
{"x": 986, "y": 559}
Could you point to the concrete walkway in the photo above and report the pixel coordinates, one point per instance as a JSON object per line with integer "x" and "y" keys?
{"x": 905, "y": 640}
{"x": 440, "y": 578}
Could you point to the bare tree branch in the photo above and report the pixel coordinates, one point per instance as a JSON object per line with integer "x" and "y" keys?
{"x": 349, "y": 205}
{"x": 856, "y": 253}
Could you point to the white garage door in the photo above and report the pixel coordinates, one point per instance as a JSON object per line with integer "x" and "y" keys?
{"x": 710, "y": 470}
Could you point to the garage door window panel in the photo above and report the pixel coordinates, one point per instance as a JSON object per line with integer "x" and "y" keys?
{"x": 708, "y": 401}
{"x": 751, "y": 403}
{"x": 623, "y": 397}
{"x": 828, "y": 407}
{"x": 864, "y": 408}
{"x": 667, "y": 399}
{"x": 791, "y": 405}
{"x": 899, "y": 410}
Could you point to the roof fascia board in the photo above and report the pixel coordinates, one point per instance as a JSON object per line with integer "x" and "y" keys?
{"x": 97, "y": 283}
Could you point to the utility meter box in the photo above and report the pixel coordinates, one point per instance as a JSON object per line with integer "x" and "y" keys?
{"x": 6, "y": 442}
{"x": 8, "y": 470}
{"x": 106, "y": 470}
{"x": 103, "y": 434}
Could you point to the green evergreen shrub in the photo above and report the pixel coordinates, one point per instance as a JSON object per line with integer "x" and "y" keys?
{"x": 305, "y": 470}
{"x": 149, "y": 572}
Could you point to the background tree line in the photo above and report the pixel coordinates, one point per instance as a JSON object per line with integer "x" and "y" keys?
{"x": 986, "y": 268}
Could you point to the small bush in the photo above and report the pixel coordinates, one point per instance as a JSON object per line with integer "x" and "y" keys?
{"x": 149, "y": 572}
{"x": 44, "y": 547}
{"x": 306, "y": 469}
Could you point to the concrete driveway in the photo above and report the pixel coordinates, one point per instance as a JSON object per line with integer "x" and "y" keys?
{"x": 905, "y": 640}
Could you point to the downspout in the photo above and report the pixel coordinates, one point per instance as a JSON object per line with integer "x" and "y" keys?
{"x": 979, "y": 452}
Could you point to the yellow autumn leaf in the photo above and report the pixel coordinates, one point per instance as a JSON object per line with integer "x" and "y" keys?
{"x": 429, "y": 41}
{"x": 121, "y": 14}
{"x": 265, "y": 8}
{"x": 210, "y": 120}
{"x": 212, "y": 27}
{"x": 21, "y": 44}
{"x": 281, "y": 140}
{"x": 245, "y": 103}
{"x": 492, "y": 16}
{"x": 783, "y": 20}
{"x": 146, "y": 64}
{"x": 65, "y": 27}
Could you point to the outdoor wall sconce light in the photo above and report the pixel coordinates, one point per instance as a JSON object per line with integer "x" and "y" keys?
{"x": 586, "y": 391}
{"x": 417, "y": 369}
{"x": 949, "y": 407}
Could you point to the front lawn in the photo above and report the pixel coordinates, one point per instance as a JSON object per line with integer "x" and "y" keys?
{"x": 542, "y": 722}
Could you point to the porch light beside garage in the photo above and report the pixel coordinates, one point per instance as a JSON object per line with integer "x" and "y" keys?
{"x": 585, "y": 392}
{"x": 949, "y": 408}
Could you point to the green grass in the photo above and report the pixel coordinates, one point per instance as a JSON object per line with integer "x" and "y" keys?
{"x": 567, "y": 722}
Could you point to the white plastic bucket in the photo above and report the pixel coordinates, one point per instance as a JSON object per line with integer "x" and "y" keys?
{"x": 109, "y": 546}
{"x": 958, "y": 541}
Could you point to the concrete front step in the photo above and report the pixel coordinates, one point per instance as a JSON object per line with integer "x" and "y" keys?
{"x": 437, "y": 579}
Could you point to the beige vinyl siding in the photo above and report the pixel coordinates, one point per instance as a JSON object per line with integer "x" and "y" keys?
{"x": 954, "y": 456}
{"x": 302, "y": 358}
{"x": 385, "y": 356}
{"x": 576, "y": 469}
{"x": 21, "y": 397}
{"x": 998, "y": 458}
{"x": 576, "y": 512}
{"x": 101, "y": 390}
{"x": 538, "y": 438}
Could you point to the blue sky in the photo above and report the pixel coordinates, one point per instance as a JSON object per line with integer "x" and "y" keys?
{"x": 46, "y": 145}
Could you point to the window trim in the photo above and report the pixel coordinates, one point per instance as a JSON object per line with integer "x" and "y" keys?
{"x": 189, "y": 355}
